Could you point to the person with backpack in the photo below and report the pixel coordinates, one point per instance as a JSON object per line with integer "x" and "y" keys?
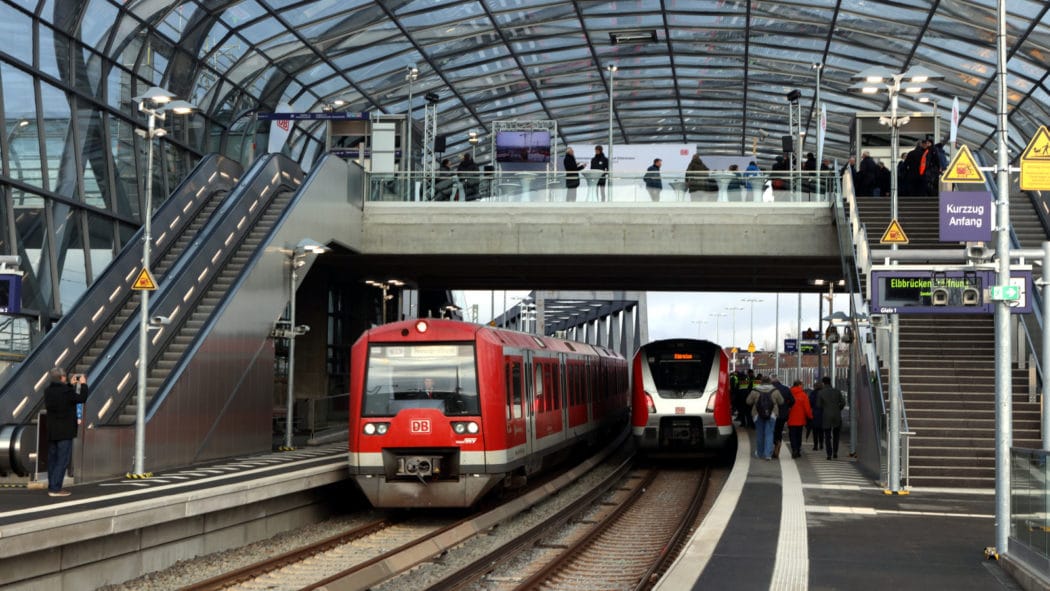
{"x": 782, "y": 414}
{"x": 764, "y": 400}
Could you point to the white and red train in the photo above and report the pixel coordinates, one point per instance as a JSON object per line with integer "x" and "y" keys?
{"x": 681, "y": 399}
{"x": 442, "y": 411}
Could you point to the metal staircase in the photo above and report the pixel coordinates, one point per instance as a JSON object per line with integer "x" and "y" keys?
{"x": 947, "y": 368}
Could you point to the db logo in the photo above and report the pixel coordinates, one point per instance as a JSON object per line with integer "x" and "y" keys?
{"x": 420, "y": 426}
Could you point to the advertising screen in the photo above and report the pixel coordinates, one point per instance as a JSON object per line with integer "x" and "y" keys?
{"x": 523, "y": 146}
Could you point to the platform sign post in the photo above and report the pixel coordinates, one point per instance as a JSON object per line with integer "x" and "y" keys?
{"x": 1035, "y": 162}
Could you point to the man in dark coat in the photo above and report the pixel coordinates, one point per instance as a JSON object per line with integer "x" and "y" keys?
{"x": 600, "y": 162}
{"x": 61, "y": 399}
{"x": 469, "y": 177}
{"x": 572, "y": 174}
{"x": 831, "y": 401}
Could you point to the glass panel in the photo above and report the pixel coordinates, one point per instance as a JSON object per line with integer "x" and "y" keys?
{"x": 96, "y": 166}
{"x": 15, "y": 24}
{"x": 31, "y": 230}
{"x": 23, "y": 138}
{"x": 420, "y": 376}
{"x": 61, "y": 174}
{"x": 123, "y": 149}
{"x": 100, "y": 244}
{"x": 72, "y": 270}
{"x": 48, "y": 59}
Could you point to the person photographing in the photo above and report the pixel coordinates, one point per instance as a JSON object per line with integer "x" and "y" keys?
{"x": 61, "y": 398}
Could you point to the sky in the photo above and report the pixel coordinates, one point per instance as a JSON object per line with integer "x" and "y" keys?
{"x": 691, "y": 314}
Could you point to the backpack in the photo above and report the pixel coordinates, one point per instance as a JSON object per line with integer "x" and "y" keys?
{"x": 764, "y": 405}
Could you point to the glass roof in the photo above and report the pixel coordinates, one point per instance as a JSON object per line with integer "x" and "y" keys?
{"x": 710, "y": 73}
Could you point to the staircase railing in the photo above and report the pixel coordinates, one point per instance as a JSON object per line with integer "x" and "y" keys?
{"x": 867, "y": 404}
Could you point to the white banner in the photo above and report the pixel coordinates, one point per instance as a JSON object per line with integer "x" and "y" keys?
{"x": 636, "y": 158}
{"x": 279, "y": 129}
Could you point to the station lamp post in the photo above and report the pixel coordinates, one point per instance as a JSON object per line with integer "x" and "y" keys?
{"x": 411, "y": 73}
{"x": 609, "y": 154}
{"x": 913, "y": 81}
{"x": 155, "y": 103}
{"x": 718, "y": 332}
{"x": 751, "y": 344}
{"x": 733, "y": 347}
{"x": 296, "y": 260}
{"x": 385, "y": 287}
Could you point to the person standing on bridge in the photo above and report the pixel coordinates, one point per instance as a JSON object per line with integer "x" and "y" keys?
{"x": 653, "y": 184}
{"x": 572, "y": 174}
{"x": 600, "y": 162}
{"x": 61, "y": 398}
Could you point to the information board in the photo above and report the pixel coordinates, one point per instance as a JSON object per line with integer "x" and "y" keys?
{"x": 960, "y": 292}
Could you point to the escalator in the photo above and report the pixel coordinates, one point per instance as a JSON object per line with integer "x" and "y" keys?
{"x": 222, "y": 271}
{"x": 80, "y": 337}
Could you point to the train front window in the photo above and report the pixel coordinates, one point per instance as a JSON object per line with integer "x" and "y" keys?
{"x": 678, "y": 377}
{"x": 420, "y": 376}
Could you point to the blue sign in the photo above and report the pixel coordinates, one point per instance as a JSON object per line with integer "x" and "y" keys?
{"x": 10, "y": 294}
{"x": 336, "y": 115}
{"x": 790, "y": 345}
{"x": 966, "y": 216}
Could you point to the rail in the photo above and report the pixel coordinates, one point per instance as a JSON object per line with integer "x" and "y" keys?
{"x": 594, "y": 187}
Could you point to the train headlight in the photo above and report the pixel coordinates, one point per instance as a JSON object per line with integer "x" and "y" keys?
{"x": 650, "y": 405}
{"x": 463, "y": 427}
{"x": 376, "y": 428}
{"x": 422, "y": 326}
{"x": 711, "y": 402}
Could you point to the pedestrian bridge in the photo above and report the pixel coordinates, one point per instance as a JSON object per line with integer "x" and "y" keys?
{"x": 729, "y": 239}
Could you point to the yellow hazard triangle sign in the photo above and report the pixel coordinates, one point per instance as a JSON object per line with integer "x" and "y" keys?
{"x": 894, "y": 234}
{"x": 963, "y": 168}
{"x": 144, "y": 282}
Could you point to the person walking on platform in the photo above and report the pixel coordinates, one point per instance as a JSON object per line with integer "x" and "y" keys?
{"x": 653, "y": 184}
{"x": 572, "y": 174}
{"x": 818, "y": 416}
{"x": 800, "y": 415}
{"x": 745, "y": 384}
{"x": 782, "y": 414}
{"x": 831, "y": 402}
{"x": 600, "y": 162}
{"x": 764, "y": 400}
{"x": 61, "y": 399}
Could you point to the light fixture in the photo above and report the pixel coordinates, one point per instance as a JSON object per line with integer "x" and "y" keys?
{"x": 635, "y": 36}
{"x": 794, "y": 95}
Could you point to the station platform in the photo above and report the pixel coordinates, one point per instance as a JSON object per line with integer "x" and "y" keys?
{"x": 814, "y": 523}
{"x": 115, "y": 530}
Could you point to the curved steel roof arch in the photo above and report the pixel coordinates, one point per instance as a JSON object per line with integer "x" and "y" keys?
{"x": 716, "y": 75}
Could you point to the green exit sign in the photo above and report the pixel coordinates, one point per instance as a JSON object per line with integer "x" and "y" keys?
{"x": 1007, "y": 293}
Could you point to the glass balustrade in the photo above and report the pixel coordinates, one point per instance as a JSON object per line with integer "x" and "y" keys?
{"x": 596, "y": 187}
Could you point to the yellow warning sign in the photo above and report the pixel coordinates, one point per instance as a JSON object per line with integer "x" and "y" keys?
{"x": 144, "y": 282}
{"x": 894, "y": 234}
{"x": 963, "y": 168}
{"x": 751, "y": 347}
{"x": 1035, "y": 162}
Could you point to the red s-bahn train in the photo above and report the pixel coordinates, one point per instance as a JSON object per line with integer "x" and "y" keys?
{"x": 681, "y": 399}
{"x": 443, "y": 412}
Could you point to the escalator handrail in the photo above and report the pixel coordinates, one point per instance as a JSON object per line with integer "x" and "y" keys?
{"x": 20, "y": 396}
{"x": 194, "y": 270}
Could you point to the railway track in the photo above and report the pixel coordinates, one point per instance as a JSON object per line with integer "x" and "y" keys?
{"x": 377, "y": 551}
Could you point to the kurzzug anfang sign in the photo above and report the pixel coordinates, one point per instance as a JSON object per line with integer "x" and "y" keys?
{"x": 966, "y": 216}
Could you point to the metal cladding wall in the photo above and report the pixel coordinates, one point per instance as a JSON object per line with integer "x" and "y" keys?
{"x": 221, "y": 403}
